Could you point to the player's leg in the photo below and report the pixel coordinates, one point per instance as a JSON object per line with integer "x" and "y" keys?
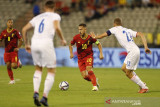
{"x": 133, "y": 77}
{"x": 14, "y": 60}
{"x": 82, "y": 68}
{"x": 49, "y": 61}
{"x": 7, "y": 59}
{"x": 36, "y": 84}
{"x": 10, "y": 73}
{"x": 85, "y": 75}
{"x": 48, "y": 85}
{"x": 93, "y": 77}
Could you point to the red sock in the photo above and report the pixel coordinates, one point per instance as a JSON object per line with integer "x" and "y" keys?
{"x": 10, "y": 74}
{"x": 93, "y": 78}
{"x": 87, "y": 78}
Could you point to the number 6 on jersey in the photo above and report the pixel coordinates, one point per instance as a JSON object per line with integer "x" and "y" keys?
{"x": 41, "y": 26}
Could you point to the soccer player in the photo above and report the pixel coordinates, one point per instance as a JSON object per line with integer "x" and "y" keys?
{"x": 85, "y": 54}
{"x": 13, "y": 42}
{"x": 125, "y": 38}
{"x": 42, "y": 49}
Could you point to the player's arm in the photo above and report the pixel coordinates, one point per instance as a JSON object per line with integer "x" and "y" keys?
{"x": 20, "y": 41}
{"x": 59, "y": 32}
{"x": 147, "y": 50}
{"x": 99, "y": 36}
{"x": 24, "y": 34}
{"x": 1, "y": 37}
{"x": 71, "y": 51}
{"x": 100, "y": 49}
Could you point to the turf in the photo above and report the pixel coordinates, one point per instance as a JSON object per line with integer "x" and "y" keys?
{"x": 113, "y": 83}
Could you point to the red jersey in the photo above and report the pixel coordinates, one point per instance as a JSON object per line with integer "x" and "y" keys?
{"x": 11, "y": 39}
{"x": 84, "y": 46}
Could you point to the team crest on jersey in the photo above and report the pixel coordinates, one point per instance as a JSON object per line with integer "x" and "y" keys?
{"x": 79, "y": 42}
{"x": 4, "y": 35}
{"x": 12, "y": 35}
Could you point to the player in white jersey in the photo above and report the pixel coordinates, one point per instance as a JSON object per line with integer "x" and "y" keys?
{"x": 125, "y": 38}
{"x": 42, "y": 49}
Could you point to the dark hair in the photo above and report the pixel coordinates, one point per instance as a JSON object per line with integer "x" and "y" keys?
{"x": 9, "y": 20}
{"x": 118, "y": 21}
{"x": 50, "y": 4}
{"x": 82, "y": 24}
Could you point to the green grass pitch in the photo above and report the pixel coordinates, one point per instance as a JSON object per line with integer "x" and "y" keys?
{"x": 113, "y": 83}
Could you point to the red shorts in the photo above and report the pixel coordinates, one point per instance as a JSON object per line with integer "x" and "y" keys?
{"x": 11, "y": 57}
{"x": 82, "y": 63}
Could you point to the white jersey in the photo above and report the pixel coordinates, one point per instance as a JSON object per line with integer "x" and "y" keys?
{"x": 43, "y": 25}
{"x": 124, "y": 37}
{"x": 42, "y": 48}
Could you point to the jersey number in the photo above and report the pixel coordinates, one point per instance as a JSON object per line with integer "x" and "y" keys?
{"x": 41, "y": 26}
{"x": 84, "y": 46}
{"x": 129, "y": 37}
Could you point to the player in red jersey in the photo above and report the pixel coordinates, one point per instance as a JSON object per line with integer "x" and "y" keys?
{"x": 85, "y": 54}
{"x": 11, "y": 37}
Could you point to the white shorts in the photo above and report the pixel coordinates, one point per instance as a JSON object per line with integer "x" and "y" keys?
{"x": 43, "y": 56}
{"x": 132, "y": 59}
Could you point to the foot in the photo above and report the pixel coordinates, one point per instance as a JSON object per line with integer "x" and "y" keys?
{"x": 19, "y": 63}
{"x": 11, "y": 82}
{"x": 95, "y": 88}
{"x": 36, "y": 99}
{"x": 97, "y": 83}
{"x": 44, "y": 101}
{"x": 143, "y": 90}
{"x": 141, "y": 87}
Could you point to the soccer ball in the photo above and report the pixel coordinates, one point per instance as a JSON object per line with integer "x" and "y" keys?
{"x": 64, "y": 85}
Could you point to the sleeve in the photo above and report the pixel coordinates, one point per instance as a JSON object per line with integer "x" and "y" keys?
{"x": 133, "y": 33}
{"x": 110, "y": 31}
{"x": 94, "y": 40}
{"x": 56, "y": 17}
{"x": 32, "y": 22}
{"x": 18, "y": 34}
{"x": 73, "y": 41}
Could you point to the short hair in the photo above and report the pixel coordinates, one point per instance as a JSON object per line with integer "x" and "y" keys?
{"x": 50, "y": 4}
{"x": 118, "y": 21}
{"x": 82, "y": 24}
{"x": 9, "y": 20}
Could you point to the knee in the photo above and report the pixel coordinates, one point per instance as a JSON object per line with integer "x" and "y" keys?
{"x": 84, "y": 76}
{"x": 129, "y": 74}
{"x": 14, "y": 66}
{"x": 123, "y": 69}
{"x": 89, "y": 68}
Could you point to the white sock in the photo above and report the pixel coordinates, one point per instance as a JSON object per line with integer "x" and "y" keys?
{"x": 37, "y": 80}
{"x": 48, "y": 83}
{"x": 138, "y": 81}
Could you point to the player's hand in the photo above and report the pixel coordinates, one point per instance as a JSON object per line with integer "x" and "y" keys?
{"x": 148, "y": 51}
{"x": 64, "y": 43}
{"x": 16, "y": 49}
{"x": 71, "y": 56}
{"x": 101, "y": 56}
{"x": 92, "y": 34}
{"x": 28, "y": 48}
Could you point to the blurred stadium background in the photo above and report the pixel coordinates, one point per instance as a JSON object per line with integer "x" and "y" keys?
{"x": 139, "y": 15}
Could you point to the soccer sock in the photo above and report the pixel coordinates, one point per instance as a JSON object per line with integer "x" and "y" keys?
{"x": 93, "y": 78}
{"x": 10, "y": 74}
{"x": 87, "y": 78}
{"x": 37, "y": 80}
{"x": 137, "y": 80}
{"x": 48, "y": 83}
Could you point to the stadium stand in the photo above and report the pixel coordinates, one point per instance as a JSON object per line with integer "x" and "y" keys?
{"x": 141, "y": 19}
{"x": 11, "y": 9}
